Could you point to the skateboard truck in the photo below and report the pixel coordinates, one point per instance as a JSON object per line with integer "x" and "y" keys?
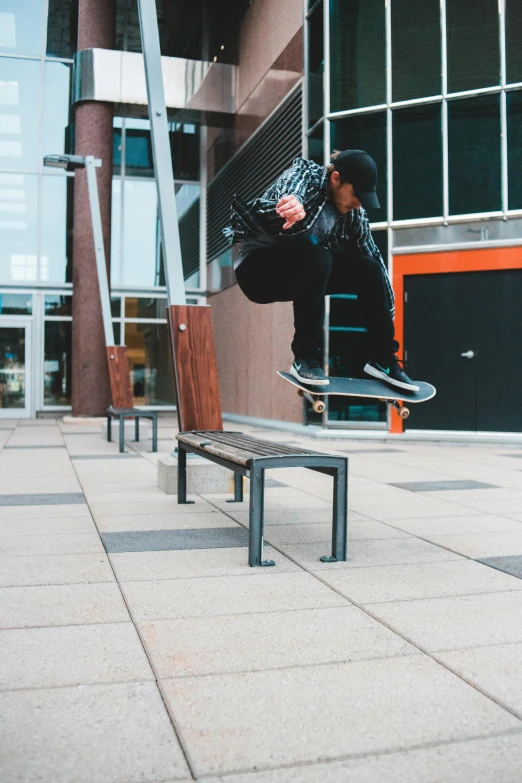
{"x": 315, "y": 401}
{"x": 401, "y": 409}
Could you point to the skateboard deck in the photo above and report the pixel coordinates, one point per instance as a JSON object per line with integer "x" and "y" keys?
{"x": 362, "y": 387}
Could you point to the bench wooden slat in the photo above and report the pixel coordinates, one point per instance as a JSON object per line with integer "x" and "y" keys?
{"x": 221, "y": 450}
{"x": 267, "y": 448}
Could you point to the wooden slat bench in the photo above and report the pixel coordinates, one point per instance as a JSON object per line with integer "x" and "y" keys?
{"x": 247, "y": 456}
{"x": 122, "y": 407}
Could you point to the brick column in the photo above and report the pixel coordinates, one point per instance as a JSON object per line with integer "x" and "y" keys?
{"x": 93, "y": 120}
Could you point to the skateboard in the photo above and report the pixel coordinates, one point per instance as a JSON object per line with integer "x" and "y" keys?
{"x": 362, "y": 387}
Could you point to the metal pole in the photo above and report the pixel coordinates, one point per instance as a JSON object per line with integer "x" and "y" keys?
{"x": 168, "y": 216}
{"x": 91, "y": 164}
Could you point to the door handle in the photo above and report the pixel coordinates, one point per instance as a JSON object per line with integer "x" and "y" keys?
{"x": 468, "y": 354}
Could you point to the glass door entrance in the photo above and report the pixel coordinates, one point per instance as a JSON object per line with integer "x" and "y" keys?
{"x": 15, "y": 376}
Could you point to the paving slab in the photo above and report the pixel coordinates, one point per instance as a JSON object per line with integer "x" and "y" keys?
{"x": 429, "y": 507}
{"x": 412, "y": 582}
{"x": 225, "y": 595}
{"x": 193, "y": 563}
{"x": 42, "y": 499}
{"x": 307, "y": 714}
{"x": 46, "y": 526}
{"x": 377, "y": 552}
{"x": 438, "y": 486}
{"x": 440, "y": 526}
{"x": 81, "y": 655}
{"x": 497, "y": 759}
{"x": 54, "y": 570}
{"x": 117, "y": 733}
{"x": 196, "y": 646}
{"x": 156, "y": 505}
{"x": 494, "y": 669}
{"x": 164, "y": 540}
{"x": 78, "y": 604}
{"x": 456, "y": 622}
{"x": 483, "y": 545}
{"x": 107, "y": 523}
{"x": 363, "y": 530}
{"x": 22, "y": 512}
{"x": 51, "y": 544}
{"x": 510, "y": 565}
{"x": 299, "y": 517}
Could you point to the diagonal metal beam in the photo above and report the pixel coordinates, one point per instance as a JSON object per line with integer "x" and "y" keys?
{"x": 161, "y": 153}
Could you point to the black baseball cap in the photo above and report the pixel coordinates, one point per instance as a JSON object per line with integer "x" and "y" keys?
{"x": 359, "y": 169}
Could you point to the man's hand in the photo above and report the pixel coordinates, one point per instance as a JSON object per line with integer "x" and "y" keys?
{"x": 290, "y": 209}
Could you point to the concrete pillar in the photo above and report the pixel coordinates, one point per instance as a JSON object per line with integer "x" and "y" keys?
{"x": 93, "y": 120}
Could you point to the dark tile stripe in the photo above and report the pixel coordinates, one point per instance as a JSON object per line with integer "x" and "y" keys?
{"x": 168, "y": 540}
{"x": 56, "y": 499}
{"x": 510, "y": 564}
{"x": 371, "y": 451}
{"x": 34, "y": 447}
{"x": 440, "y": 486}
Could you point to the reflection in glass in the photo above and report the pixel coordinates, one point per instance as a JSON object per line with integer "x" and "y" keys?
{"x": 12, "y": 367}
{"x": 19, "y": 105}
{"x": 417, "y": 162}
{"x": 116, "y": 306}
{"x": 56, "y": 229}
{"x": 365, "y": 132}
{"x": 116, "y": 326}
{"x": 18, "y": 228}
{"x": 58, "y": 304}
{"x": 316, "y": 145}
{"x": 57, "y": 362}
{"x": 416, "y": 49}
{"x": 21, "y": 26}
{"x": 140, "y": 234}
{"x": 145, "y": 307}
{"x": 116, "y": 261}
{"x": 184, "y": 145}
{"x": 16, "y": 304}
{"x": 150, "y": 365}
{"x": 138, "y": 148}
{"x": 473, "y": 44}
{"x": 474, "y": 155}
{"x": 357, "y": 53}
{"x": 514, "y": 137}
{"x": 315, "y": 65}
{"x": 513, "y": 37}
{"x": 56, "y": 109}
{"x": 62, "y": 28}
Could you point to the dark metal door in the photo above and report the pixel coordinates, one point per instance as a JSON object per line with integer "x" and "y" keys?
{"x": 439, "y": 326}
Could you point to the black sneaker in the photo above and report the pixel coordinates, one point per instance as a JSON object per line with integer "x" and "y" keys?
{"x": 392, "y": 374}
{"x": 309, "y": 371}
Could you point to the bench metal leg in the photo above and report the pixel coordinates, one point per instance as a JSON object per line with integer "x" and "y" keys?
{"x": 154, "y": 433}
{"x": 340, "y": 517}
{"x": 109, "y": 429}
{"x": 122, "y": 435}
{"x": 238, "y": 489}
{"x": 137, "y": 429}
{"x": 182, "y": 476}
{"x": 255, "y": 531}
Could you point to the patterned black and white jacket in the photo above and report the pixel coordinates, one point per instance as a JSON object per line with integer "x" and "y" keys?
{"x": 306, "y": 181}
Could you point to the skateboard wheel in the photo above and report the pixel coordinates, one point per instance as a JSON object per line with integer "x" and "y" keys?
{"x": 404, "y": 413}
{"x": 300, "y": 392}
{"x": 318, "y": 406}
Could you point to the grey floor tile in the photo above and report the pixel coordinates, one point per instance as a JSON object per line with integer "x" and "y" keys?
{"x": 126, "y": 507}
{"x": 311, "y": 713}
{"x": 43, "y": 526}
{"x": 35, "y": 447}
{"x": 426, "y": 507}
{"x": 44, "y": 512}
{"x": 496, "y": 669}
{"x": 161, "y": 540}
{"x": 433, "y": 526}
{"x": 497, "y": 759}
{"x": 301, "y": 517}
{"x": 510, "y": 565}
{"x": 104, "y": 734}
{"x": 456, "y": 622}
{"x": 107, "y": 523}
{"x": 224, "y": 595}
{"x": 193, "y": 563}
{"x": 71, "y": 655}
{"x": 483, "y": 545}
{"x": 310, "y": 534}
{"x": 438, "y": 486}
{"x": 195, "y": 646}
{"x": 51, "y": 544}
{"x": 54, "y": 570}
{"x": 126, "y": 456}
{"x": 49, "y": 499}
{"x": 412, "y": 582}
{"x": 26, "y": 607}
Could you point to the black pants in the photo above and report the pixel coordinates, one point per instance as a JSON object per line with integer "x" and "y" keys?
{"x": 303, "y": 273}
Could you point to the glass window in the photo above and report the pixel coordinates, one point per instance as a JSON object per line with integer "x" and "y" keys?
{"x": 416, "y": 49}
{"x": 513, "y": 38}
{"x": 116, "y": 327}
{"x": 21, "y": 26}
{"x": 514, "y": 136}
{"x": 18, "y": 228}
{"x": 19, "y": 106}
{"x": 116, "y": 272}
{"x": 116, "y": 306}
{"x": 357, "y": 53}
{"x": 140, "y": 234}
{"x": 315, "y": 65}
{"x": 57, "y": 362}
{"x": 417, "y": 162}
{"x": 150, "y": 364}
{"x": 56, "y": 109}
{"x": 473, "y": 44}
{"x": 184, "y": 145}
{"x": 16, "y": 304}
{"x": 316, "y": 145}
{"x": 58, "y": 304}
{"x": 62, "y": 28}
{"x": 56, "y": 241}
{"x": 365, "y": 132}
{"x": 474, "y": 155}
{"x": 145, "y": 307}
{"x": 138, "y": 148}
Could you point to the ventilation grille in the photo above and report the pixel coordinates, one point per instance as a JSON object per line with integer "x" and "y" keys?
{"x": 254, "y": 167}
{"x": 189, "y": 239}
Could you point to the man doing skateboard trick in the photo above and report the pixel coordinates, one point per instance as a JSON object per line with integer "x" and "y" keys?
{"x": 308, "y": 236}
